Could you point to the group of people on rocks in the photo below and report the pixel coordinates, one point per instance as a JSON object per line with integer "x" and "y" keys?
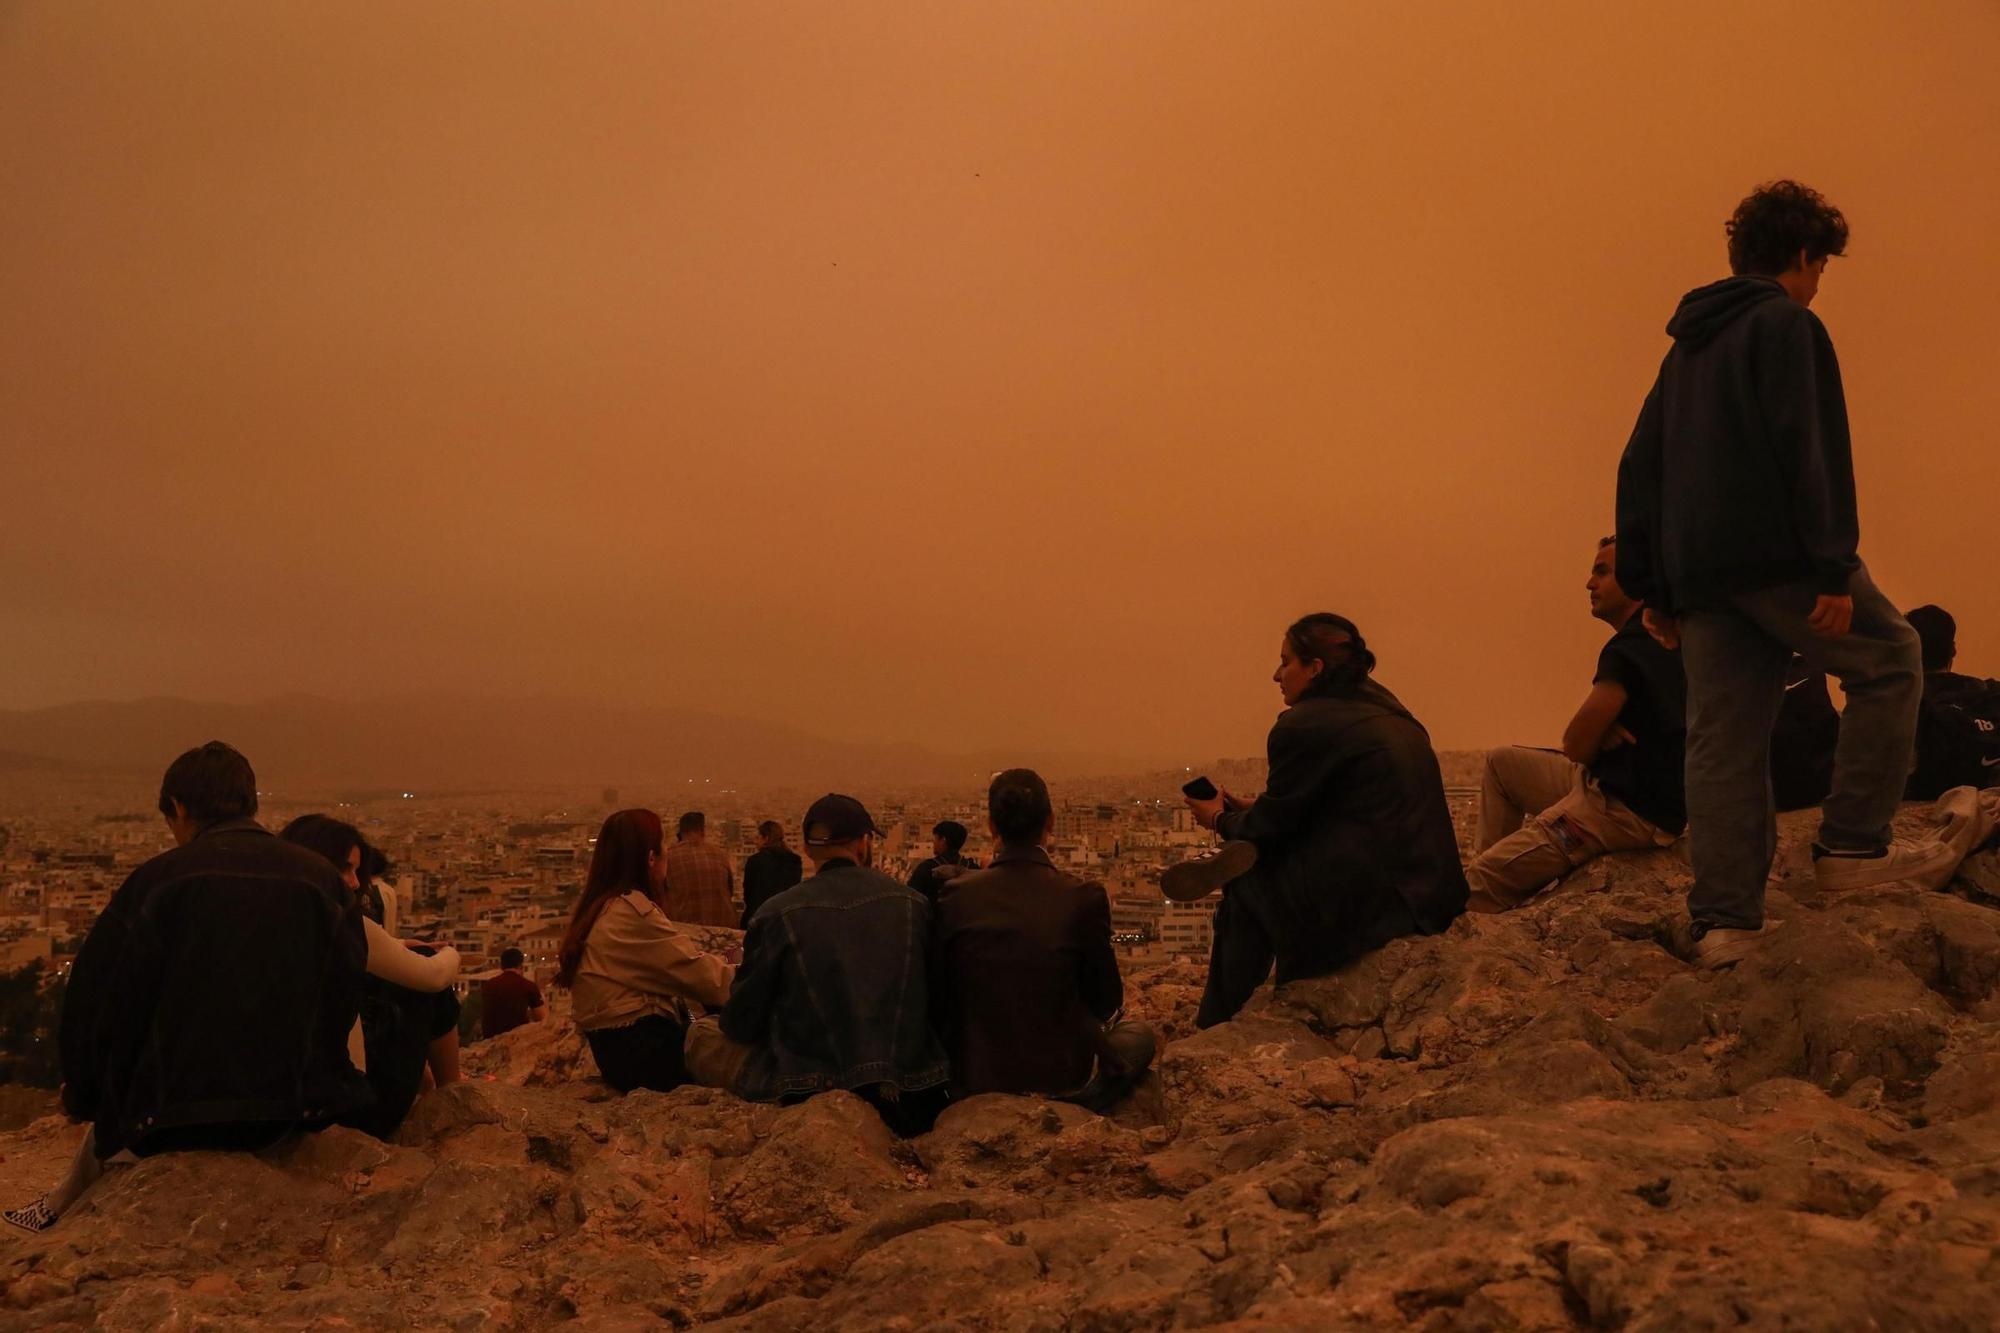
{"x": 245, "y": 985}
{"x": 1734, "y": 585}
{"x": 1004, "y": 981}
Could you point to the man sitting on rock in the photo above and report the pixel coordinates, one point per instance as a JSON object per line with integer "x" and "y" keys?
{"x": 508, "y": 999}
{"x": 945, "y": 863}
{"x": 831, "y": 992}
{"x": 1024, "y": 985}
{"x": 1616, "y": 784}
{"x": 210, "y": 1004}
{"x": 1958, "y": 720}
{"x": 771, "y": 869}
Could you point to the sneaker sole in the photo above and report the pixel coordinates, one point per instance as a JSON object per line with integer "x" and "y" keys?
{"x": 1191, "y": 881}
{"x": 1885, "y": 876}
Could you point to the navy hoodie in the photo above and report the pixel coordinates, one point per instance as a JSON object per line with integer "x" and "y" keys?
{"x": 1739, "y": 474}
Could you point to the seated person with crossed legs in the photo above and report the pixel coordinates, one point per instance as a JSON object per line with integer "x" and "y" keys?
{"x": 1616, "y": 783}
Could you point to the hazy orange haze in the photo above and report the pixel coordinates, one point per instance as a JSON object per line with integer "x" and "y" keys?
{"x": 963, "y": 374}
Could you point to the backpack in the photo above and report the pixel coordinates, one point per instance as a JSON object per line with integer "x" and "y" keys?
{"x": 1958, "y": 735}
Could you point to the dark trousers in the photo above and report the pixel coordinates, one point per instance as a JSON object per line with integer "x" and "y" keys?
{"x": 1736, "y": 655}
{"x": 1247, "y": 940}
{"x": 1125, "y": 1052}
{"x": 645, "y": 1054}
{"x": 398, "y": 1026}
{"x": 1239, "y": 958}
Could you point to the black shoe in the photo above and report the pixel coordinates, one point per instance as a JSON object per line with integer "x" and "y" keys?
{"x": 1191, "y": 881}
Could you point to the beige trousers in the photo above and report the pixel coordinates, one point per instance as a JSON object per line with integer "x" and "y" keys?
{"x": 713, "y": 1060}
{"x": 1540, "y": 816}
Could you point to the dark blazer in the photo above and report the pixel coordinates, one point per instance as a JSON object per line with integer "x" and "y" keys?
{"x": 1355, "y": 844}
{"x": 833, "y": 987}
{"x": 1022, "y": 973}
{"x": 216, "y": 990}
{"x": 768, "y": 872}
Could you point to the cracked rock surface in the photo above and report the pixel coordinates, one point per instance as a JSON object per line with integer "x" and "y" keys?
{"x": 1536, "y": 1121}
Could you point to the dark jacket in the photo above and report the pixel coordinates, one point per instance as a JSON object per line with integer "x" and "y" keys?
{"x": 1739, "y": 474}
{"x": 1355, "y": 844}
{"x": 834, "y": 986}
{"x": 934, "y": 872}
{"x": 768, "y": 872}
{"x": 1022, "y": 976}
{"x": 217, "y": 989}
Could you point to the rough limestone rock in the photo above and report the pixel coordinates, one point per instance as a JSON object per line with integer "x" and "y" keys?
{"x": 1537, "y": 1121}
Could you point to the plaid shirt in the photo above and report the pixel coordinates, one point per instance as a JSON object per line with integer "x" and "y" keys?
{"x": 700, "y": 886}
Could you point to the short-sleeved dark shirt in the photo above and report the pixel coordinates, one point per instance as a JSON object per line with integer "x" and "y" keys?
{"x": 504, "y": 1002}
{"x": 1646, "y": 775}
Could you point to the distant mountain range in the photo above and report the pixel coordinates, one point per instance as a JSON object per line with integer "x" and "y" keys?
{"x": 439, "y": 742}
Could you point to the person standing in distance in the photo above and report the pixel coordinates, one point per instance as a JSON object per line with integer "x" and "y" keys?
{"x": 1737, "y": 528}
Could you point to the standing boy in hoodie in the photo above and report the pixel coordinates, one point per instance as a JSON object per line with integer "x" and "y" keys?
{"x": 1736, "y": 527}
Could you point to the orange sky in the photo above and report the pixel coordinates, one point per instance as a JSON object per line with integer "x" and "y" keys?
{"x": 942, "y": 372}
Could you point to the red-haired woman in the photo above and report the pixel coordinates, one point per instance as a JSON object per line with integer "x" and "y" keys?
{"x": 630, "y": 971}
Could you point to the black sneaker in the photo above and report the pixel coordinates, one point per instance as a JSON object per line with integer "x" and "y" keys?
{"x": 1191, "y": 881}
{"x": 34, "y": 1218}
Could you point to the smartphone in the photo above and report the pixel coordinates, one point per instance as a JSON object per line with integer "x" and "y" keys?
{"x": 1201, "y": 789}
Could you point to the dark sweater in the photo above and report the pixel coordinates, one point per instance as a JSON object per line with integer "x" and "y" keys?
{"x": 1739, "y": 474}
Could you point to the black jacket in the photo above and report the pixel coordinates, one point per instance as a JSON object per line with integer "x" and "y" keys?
{"x": 1739, "y": 474}
{"x": 768, "y": 872}
{"x": 834, "y": 987}
{"x": 216, "y": 990}
{"x": 934, "y": 872}
{"x": 1022, "y": 975}
{"x": 1354, "y": 840}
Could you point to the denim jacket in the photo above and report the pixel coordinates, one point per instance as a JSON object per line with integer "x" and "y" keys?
{"x": 833, "y": 988}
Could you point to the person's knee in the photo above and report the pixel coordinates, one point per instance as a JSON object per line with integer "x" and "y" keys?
{"x": 1134, "y": 1045}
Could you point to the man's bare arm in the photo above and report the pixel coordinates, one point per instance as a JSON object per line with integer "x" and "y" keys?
{"x": 1595, "y": 727}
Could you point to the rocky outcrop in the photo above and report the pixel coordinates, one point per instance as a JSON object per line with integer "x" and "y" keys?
{"x": 1537, "y": 1121}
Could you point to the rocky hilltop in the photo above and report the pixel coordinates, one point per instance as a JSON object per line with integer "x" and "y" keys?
{"x": 1538, "y": 1121}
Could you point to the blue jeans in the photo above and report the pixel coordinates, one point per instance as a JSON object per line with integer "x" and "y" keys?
{"x": 1736, "y": 655}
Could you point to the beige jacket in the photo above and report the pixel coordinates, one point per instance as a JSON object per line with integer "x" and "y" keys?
{"x": 636, "y": 962}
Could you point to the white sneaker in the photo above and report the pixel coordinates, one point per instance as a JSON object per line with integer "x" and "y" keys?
{"x": 1927, "y": 863}
{"x": 1720, "y": 947}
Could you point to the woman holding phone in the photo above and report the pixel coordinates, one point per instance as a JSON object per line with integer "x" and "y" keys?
{"x": 1350, "y": 845}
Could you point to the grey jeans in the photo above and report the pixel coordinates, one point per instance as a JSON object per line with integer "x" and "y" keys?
{"x": 1736, "y": 655}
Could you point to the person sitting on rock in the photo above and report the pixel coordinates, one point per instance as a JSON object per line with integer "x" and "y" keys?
{"x": 770, "y": 870}
{"x": 210, "y": 1004}
{"x": 1958, "y": 719}
{"x": 1616, "y": 783}
{"x": 1351, "y": 844}
{"x": 508, "y": 999}
{"x": 944, "y": 864}
{"x": 409, "y": 1012}
{"x": 1025, "y": 990}
{"x": 631, "y": 972}
{"x": 699, "y": 884}
{"x": 832, "y": 991}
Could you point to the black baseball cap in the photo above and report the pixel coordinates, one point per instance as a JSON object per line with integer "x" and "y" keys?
{"x": 836, "y": 818}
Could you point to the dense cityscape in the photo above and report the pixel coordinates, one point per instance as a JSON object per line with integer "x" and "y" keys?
{"x": 486, "y": 871}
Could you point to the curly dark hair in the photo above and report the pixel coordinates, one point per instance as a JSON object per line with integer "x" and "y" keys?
{"x": 1775, "y": 222}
